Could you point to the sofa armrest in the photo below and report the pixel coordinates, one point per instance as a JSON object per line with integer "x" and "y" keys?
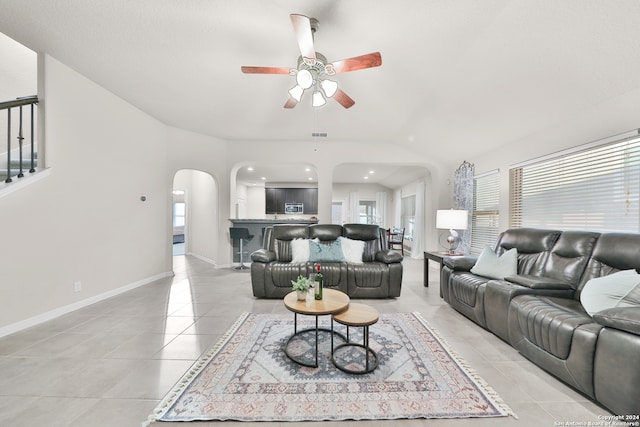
{"x": 538, "y": 282}
{"x": 623, "y": 318}
{"x": 263, "y": 255}
{"x": 388, "y": 256}
{"x": 460, "y": 263}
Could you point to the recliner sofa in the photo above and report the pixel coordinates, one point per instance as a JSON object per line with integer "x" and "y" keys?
{"x": 538, "y": 311}
{"x": 379, "y": 275}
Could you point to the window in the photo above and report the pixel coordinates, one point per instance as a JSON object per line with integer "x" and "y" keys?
{"x": 408, "y": 215}
{"x": 367, "y": 212}
{"x": 179, "y": 211}
{"x": 337, "y": 208}
{"x": 485, "y": 218}
{"x": 594, "y": 187}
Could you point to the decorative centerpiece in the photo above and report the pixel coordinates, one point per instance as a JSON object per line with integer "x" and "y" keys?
{"x": 301, "y": 285}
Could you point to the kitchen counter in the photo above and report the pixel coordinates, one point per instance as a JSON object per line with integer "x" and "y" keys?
{"x": 282, "y": 220}
{"x": 256, "y": 228}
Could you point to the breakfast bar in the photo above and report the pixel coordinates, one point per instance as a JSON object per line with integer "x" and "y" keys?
{"x": 256, "y": 229}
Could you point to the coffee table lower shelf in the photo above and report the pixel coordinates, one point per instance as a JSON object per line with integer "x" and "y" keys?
{"x": 297, "y": 334}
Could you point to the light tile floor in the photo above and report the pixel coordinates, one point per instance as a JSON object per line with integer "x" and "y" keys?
{"x": 109, "y": 364}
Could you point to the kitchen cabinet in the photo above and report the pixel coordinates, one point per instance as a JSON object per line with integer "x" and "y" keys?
{"x": 275, "y": 199}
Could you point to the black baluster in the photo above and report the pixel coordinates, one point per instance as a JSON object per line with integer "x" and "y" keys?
{"x": 20, "y": 139}
{"x": 8, "y": 146}
{"x": 33, "y": 169}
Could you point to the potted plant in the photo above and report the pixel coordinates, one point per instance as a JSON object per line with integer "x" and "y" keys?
{"x": 301, "y": 285}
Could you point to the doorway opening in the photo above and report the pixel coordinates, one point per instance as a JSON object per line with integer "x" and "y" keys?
{"x": 179, "y": 220}
{"x": 195, "y": 215}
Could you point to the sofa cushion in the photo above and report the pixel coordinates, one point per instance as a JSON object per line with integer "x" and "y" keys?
{"x": 625, "y": 319}
{"x": 369, "y": 234}
{"x": 538, "y": 282}
{"x": 325, "y": 232}
{"x": 613, "y": 252}
{"x": 282, "y": 235}
{"x": 496, "y": 267}
{"x": 299, "y": 250}
{"x": 621, "y": 289}
{"x": 533, "y": 246}
{"x": 464, "y": 287}
{"x": 325, "y": 252}
{"x": 569, "y": 256}
{"x": 352, "y": 250}
{"x": 548, "y": 323}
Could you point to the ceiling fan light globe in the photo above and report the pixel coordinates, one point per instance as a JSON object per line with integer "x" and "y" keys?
{"x": 318, "y": 99}
{"x": 296, "y": 92}
{"x": 329, "y": 87}
{"x": 304, "y": 79}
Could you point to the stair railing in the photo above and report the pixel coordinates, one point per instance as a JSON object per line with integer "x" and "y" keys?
{"x": 19, "y": 103}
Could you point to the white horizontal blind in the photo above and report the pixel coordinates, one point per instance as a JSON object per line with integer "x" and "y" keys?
{"x": 595, "y": 189}
{"x": 485, "y": 218}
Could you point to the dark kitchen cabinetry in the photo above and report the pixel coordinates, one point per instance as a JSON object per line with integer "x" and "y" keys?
{"x": 310, "y": 201}
{"x": 276, "y": 198}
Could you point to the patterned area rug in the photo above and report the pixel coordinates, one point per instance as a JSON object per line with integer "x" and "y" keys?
{"x": 247, "y": 376}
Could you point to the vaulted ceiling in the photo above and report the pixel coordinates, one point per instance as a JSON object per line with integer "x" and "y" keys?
{"x": 465, "y": 76}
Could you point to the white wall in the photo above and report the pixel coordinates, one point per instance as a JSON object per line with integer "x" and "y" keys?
{"x": 18, "y": 70}
{"x": 85, "y": 221}
{"x": 617, "y": 115}
{"x": 256, "y": 201}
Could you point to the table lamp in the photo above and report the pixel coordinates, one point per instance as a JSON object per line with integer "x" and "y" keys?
{"x": 452, "y": 219}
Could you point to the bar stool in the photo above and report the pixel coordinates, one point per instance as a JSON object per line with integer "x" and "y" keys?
{"x": 241, "y": 234}
{"x": 356, "y": 315}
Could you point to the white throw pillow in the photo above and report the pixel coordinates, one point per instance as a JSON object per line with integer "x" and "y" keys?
{"x": 496, "y": 267}
{"x": 299, "y": 250}
{"x": 609, "y": 291}
{"x": 352, "y": 250}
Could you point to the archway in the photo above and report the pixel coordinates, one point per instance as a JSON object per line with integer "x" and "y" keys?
{"x": 195, "y": 214}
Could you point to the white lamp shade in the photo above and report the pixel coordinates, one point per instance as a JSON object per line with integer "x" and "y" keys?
{"x": 329, "y": 87}
{"x": 304, "y": 79}
{"x": 296, "y": 92}
{"x": 452, "y": 219}
{"x": 318, "y": 99}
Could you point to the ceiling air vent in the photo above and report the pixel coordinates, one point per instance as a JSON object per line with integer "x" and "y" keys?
{"x": 319, "y": 134}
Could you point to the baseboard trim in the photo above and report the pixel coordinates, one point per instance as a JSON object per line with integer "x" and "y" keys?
{"x": 208, "y": 261}
{"x": 19, "y": 183}
{"x": 50, "y": 315}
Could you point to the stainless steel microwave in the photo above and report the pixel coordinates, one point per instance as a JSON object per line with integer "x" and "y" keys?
{"x": 294, "y": 208}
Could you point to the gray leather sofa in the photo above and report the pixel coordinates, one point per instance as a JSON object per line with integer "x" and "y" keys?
{"x": 538, "y": 310}
{"x": 378, "y": 276}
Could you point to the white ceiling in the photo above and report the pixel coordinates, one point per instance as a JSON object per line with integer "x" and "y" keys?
{"x": 462, "y": 76}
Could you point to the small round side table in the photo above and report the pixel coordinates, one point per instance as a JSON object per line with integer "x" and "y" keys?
{"x": 356, "y": 315}
{"x": 332, "y": 302}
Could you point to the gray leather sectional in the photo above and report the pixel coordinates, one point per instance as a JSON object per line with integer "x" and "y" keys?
{"x": 378, "y": 276}
{"x": 538, "y": 311}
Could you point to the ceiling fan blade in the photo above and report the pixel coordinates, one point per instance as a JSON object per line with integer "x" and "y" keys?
{"x": 291, "y": 103}
{"x": 304, "y": 35}
{"x": 344, "y": 99}
{"x": 358, "y": 63}
{"x": 265, "y": 70}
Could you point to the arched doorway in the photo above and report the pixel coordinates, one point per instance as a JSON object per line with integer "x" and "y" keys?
{"x": 195, "y": 214}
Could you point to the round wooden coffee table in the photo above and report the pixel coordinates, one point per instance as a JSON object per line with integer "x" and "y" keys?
{"x": 332, "y": 302}
{"x": 357, "y": 315}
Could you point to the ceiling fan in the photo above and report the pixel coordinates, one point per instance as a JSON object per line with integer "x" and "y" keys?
{"x": 313, "y": 70}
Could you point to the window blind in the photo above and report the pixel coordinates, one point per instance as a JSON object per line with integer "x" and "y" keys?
{"x": 596, "y": 189}
{"x": 485, "y": 218}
